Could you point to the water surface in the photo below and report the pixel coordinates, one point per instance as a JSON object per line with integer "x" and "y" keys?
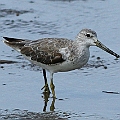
{"x": 79, "y": 93}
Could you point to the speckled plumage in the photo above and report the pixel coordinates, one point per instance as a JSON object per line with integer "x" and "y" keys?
{"x": 58, "y": 54}
{"x": 46, "y": 50}
{"x": 51, "y": 52}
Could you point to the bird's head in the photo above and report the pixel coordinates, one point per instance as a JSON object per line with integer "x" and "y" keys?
{"x": 88, "y": 37}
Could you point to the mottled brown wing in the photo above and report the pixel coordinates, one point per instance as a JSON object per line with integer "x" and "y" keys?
{"x": 44, "y": 51}
{"x": 45, "y": 57}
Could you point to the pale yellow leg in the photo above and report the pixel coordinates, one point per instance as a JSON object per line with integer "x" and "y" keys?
{"x": 52, "y": 86}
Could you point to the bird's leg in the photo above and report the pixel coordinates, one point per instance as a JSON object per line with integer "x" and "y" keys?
{"x": 52, "y": 106}
{"x": 46, "y": 87}
{"x": 52, "y": 86}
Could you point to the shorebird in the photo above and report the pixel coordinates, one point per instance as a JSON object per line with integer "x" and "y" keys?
{"x": 58, "y": 54}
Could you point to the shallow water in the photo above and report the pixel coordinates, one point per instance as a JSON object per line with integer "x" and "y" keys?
{"x": 89, "y": 93}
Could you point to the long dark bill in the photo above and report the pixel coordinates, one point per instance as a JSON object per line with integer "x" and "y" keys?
{"x": 103, "y": 47}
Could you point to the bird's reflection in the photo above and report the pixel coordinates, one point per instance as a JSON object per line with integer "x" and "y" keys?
{"x": 46, "y": 97}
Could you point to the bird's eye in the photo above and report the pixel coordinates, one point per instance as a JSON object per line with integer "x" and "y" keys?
{"x": 88, "y": 35}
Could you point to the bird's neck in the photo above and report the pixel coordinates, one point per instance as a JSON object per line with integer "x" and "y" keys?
{"x": 80, "y": 48}
{"x": 81, "y": 44}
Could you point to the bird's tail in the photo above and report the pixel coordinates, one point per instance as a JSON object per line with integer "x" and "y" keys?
{"x": 16, "y": 44}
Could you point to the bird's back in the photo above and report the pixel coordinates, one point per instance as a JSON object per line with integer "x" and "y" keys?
{"x": 44, "y": 50}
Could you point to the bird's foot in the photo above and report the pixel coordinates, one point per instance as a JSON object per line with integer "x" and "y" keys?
{"x": 46, "y": 89}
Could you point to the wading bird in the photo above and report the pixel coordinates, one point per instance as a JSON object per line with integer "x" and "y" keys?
{"x": 58, "y": 54}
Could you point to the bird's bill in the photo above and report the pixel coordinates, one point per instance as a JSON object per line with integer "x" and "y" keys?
{"x": 103, "y": 47}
